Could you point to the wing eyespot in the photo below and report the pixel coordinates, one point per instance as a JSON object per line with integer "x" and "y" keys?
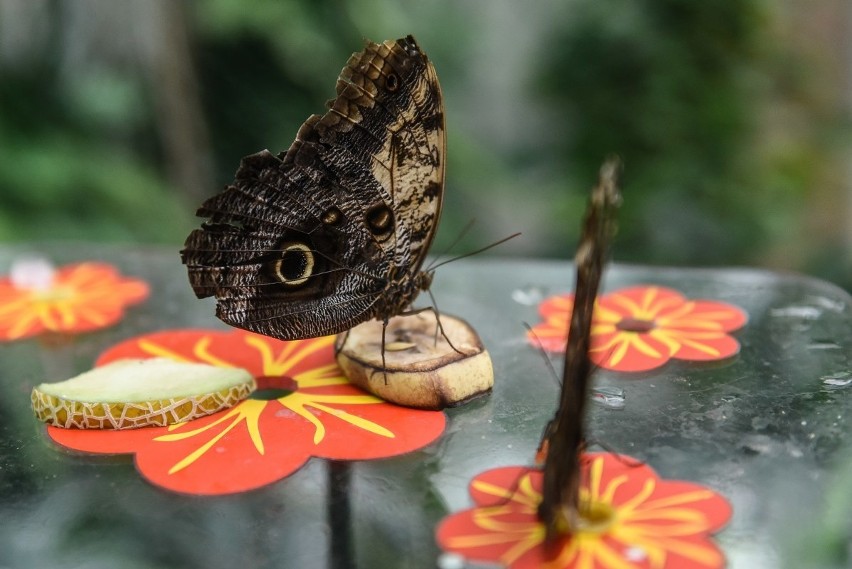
{"x": 295, "y": 266}
{"x": 392, "y": 82}
{"x": 380, "y": 220}
{"x": 332, "y": 216}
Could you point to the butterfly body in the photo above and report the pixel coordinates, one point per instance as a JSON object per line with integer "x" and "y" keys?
{"x": 334, "y": 230}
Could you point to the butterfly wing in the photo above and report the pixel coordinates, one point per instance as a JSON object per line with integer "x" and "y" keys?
{"x": 311, "y": 242}
{"x": 565, "y": 434}
{"x": 404, "y": 141}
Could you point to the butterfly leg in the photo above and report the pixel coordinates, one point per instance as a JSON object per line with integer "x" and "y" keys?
{"x": 440, "y": 327}
{"x": 345, "y": 339}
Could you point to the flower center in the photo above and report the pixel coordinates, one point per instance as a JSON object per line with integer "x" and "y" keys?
{"x": 270, "y": 387}
{"x": 595, "y": 517}
{"x": 639, "y": 325}
{"x": 56, "y": 294}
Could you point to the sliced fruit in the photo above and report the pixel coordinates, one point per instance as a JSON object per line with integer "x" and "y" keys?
{"x": 418, "y": 371}
{"x": 132, "y": 393}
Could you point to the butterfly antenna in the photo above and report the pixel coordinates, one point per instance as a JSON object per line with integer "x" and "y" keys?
{"x": 541, "y": 452}
{"x": 465, "y": 230}
{"x": 594, "y": 366}
{"x": 477, "y": 252}
{"x": 625, "y": 460}
{"x": 543, "y": 353}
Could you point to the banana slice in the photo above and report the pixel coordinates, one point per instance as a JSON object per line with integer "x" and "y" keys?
{"x": 418, "y": 372}
{"x": 132, "y": 393}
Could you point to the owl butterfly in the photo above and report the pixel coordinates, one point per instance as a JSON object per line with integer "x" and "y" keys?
{"x": 563, "y": 440}
{"x": 333, "y": 231}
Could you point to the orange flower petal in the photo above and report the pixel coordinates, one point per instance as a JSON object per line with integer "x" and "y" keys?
{"x": 83, "y": 297}
{"x": 660, "y": 523}
{"x": 628, "y": 351}
{"x": 706, "y": 314}
{"x": 640, "y": 328}
{"x": 709, "y": 349}
{"x": 559, "y": 304}
{"x": 259, "y": 441}
{"x": 642, "y": 301}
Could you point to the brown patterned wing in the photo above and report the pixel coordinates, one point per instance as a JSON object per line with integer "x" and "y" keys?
{"x": 389, "y": 114}
{"x": 333, "y": 231}
{"x": 559, "y": 509}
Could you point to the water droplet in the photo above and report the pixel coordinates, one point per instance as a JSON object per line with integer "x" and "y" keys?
{"x": 760, "y": 423}
{"x": 803, "y": 312}
{"x": 830, "y": 304}
{"x": 450, "y": 561}
{"x": 528, "y": 296}
{"x": 837, "y": 381}
{"x": 717, "y": 414}
{"x": 609, "y": 397}
{"x": 823, "y": 346}
{"x": 804, "y": 423}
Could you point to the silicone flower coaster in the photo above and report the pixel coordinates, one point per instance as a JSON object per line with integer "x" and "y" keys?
{"x": 631, "y": 519}
{"x": 35, "y": 298}
{"x": 641, "y": 328}
{"x": 304, "y": 407}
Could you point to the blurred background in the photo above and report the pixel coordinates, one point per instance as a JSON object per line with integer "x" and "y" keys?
{"x": 117, "y": 118}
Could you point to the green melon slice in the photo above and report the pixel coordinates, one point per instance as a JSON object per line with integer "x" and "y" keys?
{"x": 132, "y": 393}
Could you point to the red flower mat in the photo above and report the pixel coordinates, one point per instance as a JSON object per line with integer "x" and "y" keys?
{"x": 36, "y": 299}
{"x": 641, "y": 328}
{"x": 259, "y": 441}
{"x": 632, "y": 519}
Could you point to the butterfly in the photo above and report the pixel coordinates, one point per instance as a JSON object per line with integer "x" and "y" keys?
{"x": 333, "y": 231}
{"x": 564, "y": 437}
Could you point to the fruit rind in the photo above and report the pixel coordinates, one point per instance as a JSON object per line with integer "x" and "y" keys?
{"x": 146, "y": 392}
{"x": 424, "y": 375}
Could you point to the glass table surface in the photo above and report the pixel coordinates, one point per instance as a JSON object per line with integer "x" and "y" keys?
{"x": 768, "y": 429}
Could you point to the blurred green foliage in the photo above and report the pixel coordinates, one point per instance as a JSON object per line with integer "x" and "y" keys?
{"x": 64, "y": 176}
{"x": 718, "y": 119}
{"x": 664, "y": 85}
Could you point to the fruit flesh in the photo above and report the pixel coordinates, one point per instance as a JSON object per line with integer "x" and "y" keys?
{"x": 138, "y": 393}
{"x": 419, "y": 367}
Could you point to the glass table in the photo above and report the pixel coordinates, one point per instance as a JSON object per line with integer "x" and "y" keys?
{"x": 767, "y": 429}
